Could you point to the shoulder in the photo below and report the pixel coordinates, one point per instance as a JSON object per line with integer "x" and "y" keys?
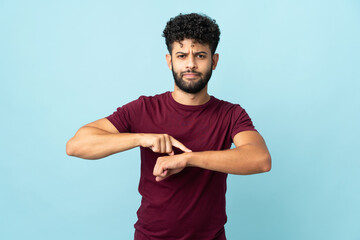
{"x": 238, "y": 118}
{"x": 154, "y": 98}
{"x": 232, "y": 111}
{"x": 227, "y": 106}
{"x": 145, "y": 100}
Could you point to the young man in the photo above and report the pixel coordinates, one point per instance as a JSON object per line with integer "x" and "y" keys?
{"x": 185, "y": 138}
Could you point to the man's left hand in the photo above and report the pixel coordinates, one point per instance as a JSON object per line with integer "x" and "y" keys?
{"x": 169, "y": 165}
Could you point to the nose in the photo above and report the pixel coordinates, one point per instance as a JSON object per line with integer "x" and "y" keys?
{"x": 191, "y": 64}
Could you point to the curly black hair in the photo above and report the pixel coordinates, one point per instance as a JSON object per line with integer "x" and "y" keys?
{"x": 195, "y": 26}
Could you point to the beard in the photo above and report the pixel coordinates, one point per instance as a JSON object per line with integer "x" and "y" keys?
{"x": 194, "y": 86}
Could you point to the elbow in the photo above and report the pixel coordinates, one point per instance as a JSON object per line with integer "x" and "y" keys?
{"x": 74, "y": 149}
{"x": 266, "y": 167}
{"x": 266, "y": 164}
{"x": 70, "y": 148}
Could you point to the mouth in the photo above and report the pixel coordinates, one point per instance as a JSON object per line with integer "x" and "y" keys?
{"x": 190, "y": 75}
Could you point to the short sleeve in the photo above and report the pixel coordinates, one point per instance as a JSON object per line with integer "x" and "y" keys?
{"x": 123, "y": 117}
{"x": 241, "y": 121}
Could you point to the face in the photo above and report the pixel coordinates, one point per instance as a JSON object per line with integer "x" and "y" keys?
{"x": 191, "y": 64}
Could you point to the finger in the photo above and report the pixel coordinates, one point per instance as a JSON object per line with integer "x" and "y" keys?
{"x": 156, "y": 171}
{"x": 162, "y": 176}
{"x": 179, "y": 145}
{"x": 156, "y": 145}
{"x": 162, "y": 144}
{"x": 169, "y": 149}
{"x": 159, "y": 168}
{"x": 158, "y": 179}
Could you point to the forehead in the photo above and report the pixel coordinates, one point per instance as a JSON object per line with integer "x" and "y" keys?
{"x": 190, "y": 44}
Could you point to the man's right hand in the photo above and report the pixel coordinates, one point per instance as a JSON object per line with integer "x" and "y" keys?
{"x": 161, "y": 143}
{"x": 100, "y": 139}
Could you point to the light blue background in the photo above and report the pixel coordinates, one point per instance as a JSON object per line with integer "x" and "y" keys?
{"x": 293, "y": 65}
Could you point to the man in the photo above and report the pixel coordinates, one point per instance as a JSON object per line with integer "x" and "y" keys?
{"x": 185, "y": 138}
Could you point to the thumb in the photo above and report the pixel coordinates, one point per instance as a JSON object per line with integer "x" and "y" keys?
{"x": 158, "y": 179}
{"x": 162, "y": 176}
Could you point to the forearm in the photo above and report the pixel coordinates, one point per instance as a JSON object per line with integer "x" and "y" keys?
{"x": 95, "y": 143}
{"x": 247, "y": 159}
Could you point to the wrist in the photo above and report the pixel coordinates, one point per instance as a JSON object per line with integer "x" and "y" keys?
{"x": 189, "y": 156}
{"x": 138, "y": 139}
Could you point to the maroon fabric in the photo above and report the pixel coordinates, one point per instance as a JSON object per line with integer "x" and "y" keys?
{"x": 190, "y": 204}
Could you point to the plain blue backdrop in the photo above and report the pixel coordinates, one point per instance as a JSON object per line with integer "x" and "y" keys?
{"x": 293, "y": 65}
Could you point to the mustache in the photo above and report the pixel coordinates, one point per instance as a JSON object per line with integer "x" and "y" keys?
{"x": 194, "y": 72}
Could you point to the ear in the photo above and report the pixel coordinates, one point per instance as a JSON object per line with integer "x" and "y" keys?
{"x": 215, "y": 59}
{"x": 168, "y": 60}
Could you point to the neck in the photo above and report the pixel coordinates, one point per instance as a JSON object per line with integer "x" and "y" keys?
{"x": 185, "y": 98}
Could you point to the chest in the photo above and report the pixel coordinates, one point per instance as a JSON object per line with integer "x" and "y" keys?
{"x": 199, "y": 130}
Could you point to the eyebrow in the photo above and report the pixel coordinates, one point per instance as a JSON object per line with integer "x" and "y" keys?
{"x": 201, "y": 52}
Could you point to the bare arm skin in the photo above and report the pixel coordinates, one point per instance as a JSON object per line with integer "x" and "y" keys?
{"x": 100, "y": 139}
{"x": 249, "y": 157}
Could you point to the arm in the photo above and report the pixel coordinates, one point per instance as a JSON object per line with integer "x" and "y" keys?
{"x": 100, "y": 139}
{"x": 249, "y": 157}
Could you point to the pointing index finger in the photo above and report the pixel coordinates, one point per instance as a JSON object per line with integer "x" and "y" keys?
{"x": 179, "y": 145}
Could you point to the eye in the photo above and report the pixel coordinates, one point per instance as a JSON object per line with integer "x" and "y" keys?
{"x": 181, "y": 56}
{"x": 201, "y": 56}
